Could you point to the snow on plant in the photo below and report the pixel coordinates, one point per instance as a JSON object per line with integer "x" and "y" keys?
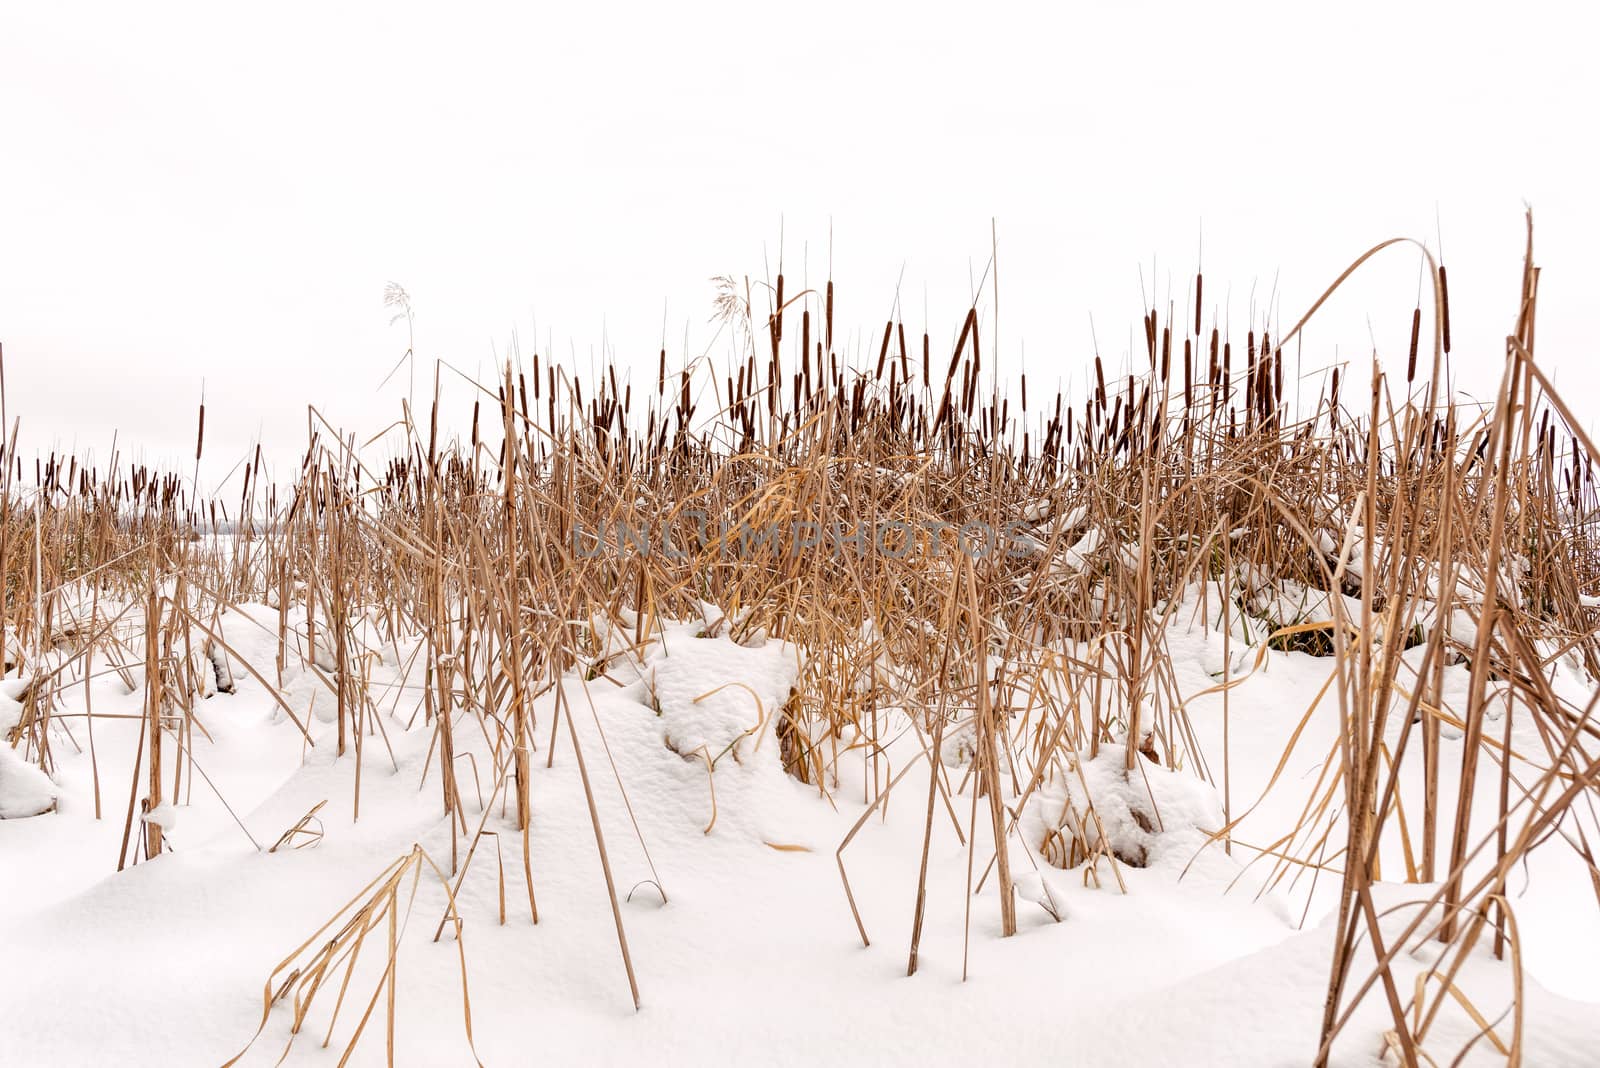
{"x": 1097, "y": 806}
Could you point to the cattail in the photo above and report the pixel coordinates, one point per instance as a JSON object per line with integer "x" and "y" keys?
{"x": 969, "y": 327}
{"x": 1444, "y": 304}
{"x": 777, "y": 317}
{"x": 1416, "y": 334}
{"x": 827, "y": 333}
{"x": 805, "y": 338}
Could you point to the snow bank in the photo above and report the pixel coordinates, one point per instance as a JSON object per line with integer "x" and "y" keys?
{"x": 11, "y": 691}
{"x": 717, "y": 694}
{"x": 1100, "y": 806}
{"x": 24, "y": 789}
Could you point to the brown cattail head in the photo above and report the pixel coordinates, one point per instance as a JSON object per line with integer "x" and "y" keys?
{"x": 1416, "y": 332}
{"x": 1444, "y": 307}
{"x": 827, "y": 328}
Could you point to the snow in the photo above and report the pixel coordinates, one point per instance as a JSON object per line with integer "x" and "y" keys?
{"x": 1140, "y": 816}
{"x": 164, "y": 815}
{"x": 11, "y": 691}
{"x": 713, "y": 694}
{"x": 1155, "y": 945}
{"x": 24, "y": 789}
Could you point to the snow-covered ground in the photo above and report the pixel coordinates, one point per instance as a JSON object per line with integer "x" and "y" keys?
{"x": 737, "y": 922}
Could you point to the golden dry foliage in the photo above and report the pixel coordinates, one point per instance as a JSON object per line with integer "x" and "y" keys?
{"x": 1198, "y": 470}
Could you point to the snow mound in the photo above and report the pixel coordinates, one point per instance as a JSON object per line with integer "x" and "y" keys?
{"x": 1287, "y": 603}
{"x": 164, "y": 815}
{"x": 11, "y": 691}
{"x": 24, "y": 789}
{"x": 715, "y": 693}
{"x": 1138, "y": 815}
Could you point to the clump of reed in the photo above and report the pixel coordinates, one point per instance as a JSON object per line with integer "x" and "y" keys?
{"x": 1196, "y": 468}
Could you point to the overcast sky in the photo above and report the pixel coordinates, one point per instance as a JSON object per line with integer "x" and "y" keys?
{"x": 216, "y": 193}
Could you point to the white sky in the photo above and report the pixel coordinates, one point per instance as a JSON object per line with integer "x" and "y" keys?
{"x": 219, "y": 193}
